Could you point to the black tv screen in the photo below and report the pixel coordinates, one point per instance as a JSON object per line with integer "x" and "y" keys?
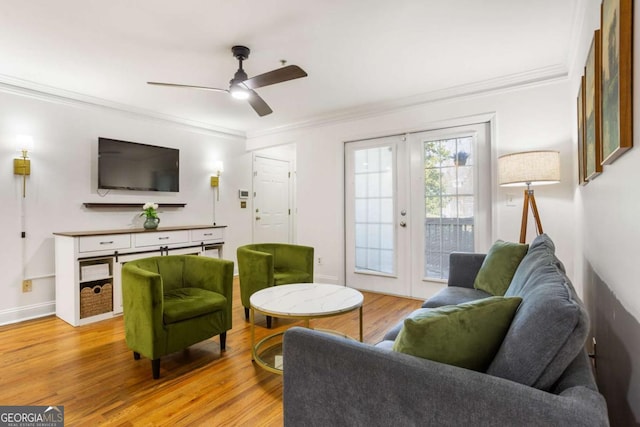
{"x": 132, "y": 166}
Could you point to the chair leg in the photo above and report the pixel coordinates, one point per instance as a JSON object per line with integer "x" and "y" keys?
{"x": 246, "y": 313}
{"x": 155, "y": 368}
{"x": 223, "y": 341}
{"x": 268, "y": 322}
{"x": 136, "y": 355}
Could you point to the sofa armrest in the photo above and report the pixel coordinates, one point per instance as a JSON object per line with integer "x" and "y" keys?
{"x": 255, "y": 271}
{"x": 330, "y": 380}
{"x": 142, "y": 299}
{"x": 463, "y": 268}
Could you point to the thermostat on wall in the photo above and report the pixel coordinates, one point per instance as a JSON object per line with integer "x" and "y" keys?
{"x": 243, "y": 194}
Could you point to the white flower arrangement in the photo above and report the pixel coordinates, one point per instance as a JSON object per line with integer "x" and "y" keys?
{"x": 150, "y": 210}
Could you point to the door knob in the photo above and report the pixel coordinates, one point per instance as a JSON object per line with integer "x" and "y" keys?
{"x": 257, "y": 218}
{"x": 403, "y": 224}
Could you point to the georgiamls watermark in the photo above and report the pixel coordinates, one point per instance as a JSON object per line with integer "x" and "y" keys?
{"x": 32, "y": 416}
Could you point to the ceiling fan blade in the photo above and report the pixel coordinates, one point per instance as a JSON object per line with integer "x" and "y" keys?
{"x": 279, "y": 75}
{"x": 258, "y": 104}
{"x": 214, "y": 89}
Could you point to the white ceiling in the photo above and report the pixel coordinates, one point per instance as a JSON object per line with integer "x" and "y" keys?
{"x": 359, "y": 54}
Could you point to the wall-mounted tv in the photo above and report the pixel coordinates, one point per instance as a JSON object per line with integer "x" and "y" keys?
{"x": 127, "y": 165}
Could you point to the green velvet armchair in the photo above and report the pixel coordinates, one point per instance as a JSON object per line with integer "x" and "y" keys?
{"x": 262, "y": 265}
{"x": 172, "y": 302}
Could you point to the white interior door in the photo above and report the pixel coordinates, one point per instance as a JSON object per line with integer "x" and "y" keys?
{"x": 377, "y": 215}
{"x": 271, "y": 200}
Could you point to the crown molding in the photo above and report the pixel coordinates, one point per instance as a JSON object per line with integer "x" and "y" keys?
{"x": 491, "y": 86}
{"x": 501, "y": 84}
{"x": 46, "y": 93}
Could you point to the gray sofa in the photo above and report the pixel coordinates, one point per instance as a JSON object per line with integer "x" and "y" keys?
{"x": 540, "y": 376}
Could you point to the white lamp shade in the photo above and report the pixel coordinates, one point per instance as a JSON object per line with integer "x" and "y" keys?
{"x": 529, "y": 168}
{"x": 24, "y": 143}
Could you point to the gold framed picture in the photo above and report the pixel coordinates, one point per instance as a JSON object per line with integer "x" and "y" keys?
{"x": 593, "y": 164}
{"x": 581, "y": 148}
{"x": 617, "y": 78}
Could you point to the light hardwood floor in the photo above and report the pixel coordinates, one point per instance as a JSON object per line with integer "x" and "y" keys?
{"x": 90, "y": 371}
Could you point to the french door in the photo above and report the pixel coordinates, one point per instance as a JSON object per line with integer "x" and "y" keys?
{"x": 377, "y": 218}
{"x": 410, "y": 200}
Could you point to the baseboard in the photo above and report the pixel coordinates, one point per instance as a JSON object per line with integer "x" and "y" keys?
{"x": 332, "y": 280}
{"x": 27, "y": 312}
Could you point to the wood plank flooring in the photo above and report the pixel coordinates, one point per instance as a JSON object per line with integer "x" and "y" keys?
{"x": 90, "y": 371}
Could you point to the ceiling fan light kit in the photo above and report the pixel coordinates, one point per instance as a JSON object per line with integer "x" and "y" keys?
{"x": 239, "y": 92}
{"x": 241, "y": 87}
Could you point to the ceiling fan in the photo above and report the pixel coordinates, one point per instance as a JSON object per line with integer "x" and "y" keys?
{"x": 242, "y": 87}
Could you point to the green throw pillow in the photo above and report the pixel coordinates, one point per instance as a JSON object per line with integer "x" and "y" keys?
{"x": 466, "y": 335}
{"x": 499, "y": 266}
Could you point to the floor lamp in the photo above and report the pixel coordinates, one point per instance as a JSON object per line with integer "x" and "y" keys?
{"x": 529, "y": 168}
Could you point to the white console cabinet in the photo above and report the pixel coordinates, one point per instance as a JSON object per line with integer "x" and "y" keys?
{"x": 89, "y": 263}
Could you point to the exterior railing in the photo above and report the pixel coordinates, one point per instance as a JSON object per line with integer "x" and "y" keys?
{"x": 443, "y": 236}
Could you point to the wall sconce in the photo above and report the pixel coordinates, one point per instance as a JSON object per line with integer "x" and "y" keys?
{"x": 215, "y": 180}
{"x": 22, "y": 166}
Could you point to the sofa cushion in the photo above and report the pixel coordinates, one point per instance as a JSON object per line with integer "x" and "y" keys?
{"x": 385, "y": 345}
{"x": 551, "y": 325}
{"x": 541, "y": 252}
{"x": 187, "y": 303}
{"x": 466, "y": 335}
{"x": 392, "y": 333}
{"x": 499, "y": 266}
{"x": 453, "y": 295}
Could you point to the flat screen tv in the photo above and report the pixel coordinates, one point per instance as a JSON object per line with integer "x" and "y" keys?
{"x": 127, "y": 165}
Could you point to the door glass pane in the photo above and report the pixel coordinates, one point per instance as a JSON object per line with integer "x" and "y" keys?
{"x": 449, "y": 202}
{"x": 375, "y": 239}
{"x": 373, "y": 214}
{"x": 361, "y": 185}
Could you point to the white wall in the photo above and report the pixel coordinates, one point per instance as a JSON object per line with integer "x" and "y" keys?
{"x": 532, "y": 117}
{"x": 608, "y": 208}
{"x": 64, "y": 175}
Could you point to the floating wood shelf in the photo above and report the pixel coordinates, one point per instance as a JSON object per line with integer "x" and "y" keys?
{"x": 131, "y": 205}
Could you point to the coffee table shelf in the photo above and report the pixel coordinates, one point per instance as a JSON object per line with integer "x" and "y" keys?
{"x": 301, "y": 301}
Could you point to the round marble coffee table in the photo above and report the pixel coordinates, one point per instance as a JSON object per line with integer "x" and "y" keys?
{"x": 302, "y": 301}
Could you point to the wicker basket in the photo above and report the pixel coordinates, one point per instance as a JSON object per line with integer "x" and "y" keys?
{"x": 96, "y": 300}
